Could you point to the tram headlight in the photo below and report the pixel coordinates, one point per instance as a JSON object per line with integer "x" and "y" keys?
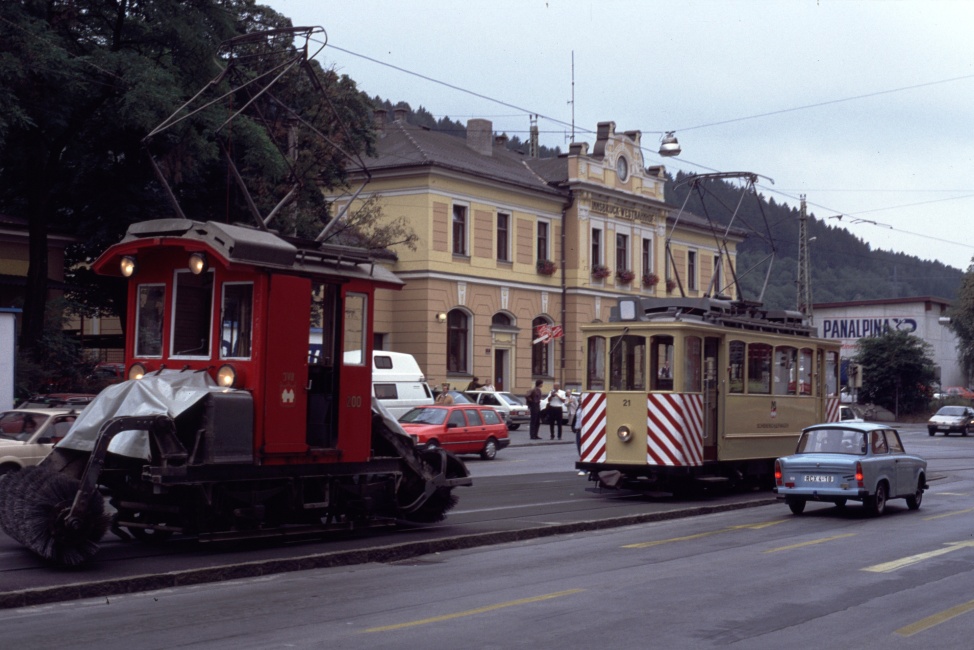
{"x": 198, "y": 263}
{"x": 229, "y": 377}
{"x": 624, "y": 433}
{"x": 137, "y": 371}
{"x": 128, "y": 266}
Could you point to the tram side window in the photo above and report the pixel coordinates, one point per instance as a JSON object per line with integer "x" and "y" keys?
{"x": 356, "y": 312}
{"x": 595, "y": 379}
{"x": 238, "y": 303}
{"x": 735, "y": 370}
{"x": 832, "y": 374}
{"x": 627, "y": 365}
{"x": 661, "y": 362}
{"x": 785, "y": 370}
{"x": 759, "y": 368}
{"x": 692, "y": 360}
{"x": 193, "y": 314}
{"x": 805, "y": 358}
{"x": 148, "y": 339}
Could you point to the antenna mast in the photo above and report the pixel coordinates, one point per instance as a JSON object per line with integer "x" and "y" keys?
{"x": 572, "y": 102}
{"x": 804, "y": 268}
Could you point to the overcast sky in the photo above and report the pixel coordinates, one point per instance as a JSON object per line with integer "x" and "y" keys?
{"x": 865, "y": 107}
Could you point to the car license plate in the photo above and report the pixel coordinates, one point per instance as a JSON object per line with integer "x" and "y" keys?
{"x": 817, "y": 478}
{"x": 944, "y": 427}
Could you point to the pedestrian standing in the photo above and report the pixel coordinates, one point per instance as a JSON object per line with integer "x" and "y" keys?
{"x": 572, "y": 402}
{"x": 534, "y": 406}
{"x": 556, "y": 399}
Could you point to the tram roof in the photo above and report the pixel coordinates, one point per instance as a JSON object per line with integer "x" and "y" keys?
{"x": 261, "y": 248}
{"x": 735, "y": 314}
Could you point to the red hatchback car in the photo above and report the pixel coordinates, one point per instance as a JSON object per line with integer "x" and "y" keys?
{"x": 459, "y": 428}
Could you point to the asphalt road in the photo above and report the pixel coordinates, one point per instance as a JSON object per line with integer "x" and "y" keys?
{"x": 529, "y": 492}
{"x": 749, "y": 579}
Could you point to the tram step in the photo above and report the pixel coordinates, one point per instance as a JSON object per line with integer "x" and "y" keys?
{"x": 712, "y": 479}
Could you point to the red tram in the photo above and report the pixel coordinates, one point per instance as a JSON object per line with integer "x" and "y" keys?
{"x": 227, "y": 427}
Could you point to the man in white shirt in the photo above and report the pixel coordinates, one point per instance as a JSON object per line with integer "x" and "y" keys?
{"x": 556, "y": 398}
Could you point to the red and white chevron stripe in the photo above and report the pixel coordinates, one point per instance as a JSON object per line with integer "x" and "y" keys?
{"x": 831, "y": 409}
{"x": 674, "y": 429}
{"x": 593, "y": 427}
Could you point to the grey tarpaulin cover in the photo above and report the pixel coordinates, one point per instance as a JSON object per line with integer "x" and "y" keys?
{"x": 169, "y": 392}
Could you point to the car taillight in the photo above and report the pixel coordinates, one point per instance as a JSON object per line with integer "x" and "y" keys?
{"x": 859, "y": 477}
{"x": 777, "y": 473}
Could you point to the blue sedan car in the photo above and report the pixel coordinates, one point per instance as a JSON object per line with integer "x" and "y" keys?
{"x": 850, "y": 461}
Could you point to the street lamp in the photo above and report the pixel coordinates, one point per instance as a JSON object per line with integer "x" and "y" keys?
{"x": 669, "y": 145}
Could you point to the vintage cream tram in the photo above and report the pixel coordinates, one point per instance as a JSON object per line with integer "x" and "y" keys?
{"x": 690, "y": 391}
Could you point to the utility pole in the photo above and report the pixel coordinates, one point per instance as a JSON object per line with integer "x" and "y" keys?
{"x": 804, "y": 268}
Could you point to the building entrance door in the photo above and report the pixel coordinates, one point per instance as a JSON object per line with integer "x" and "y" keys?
{"x": 502, "y": 368}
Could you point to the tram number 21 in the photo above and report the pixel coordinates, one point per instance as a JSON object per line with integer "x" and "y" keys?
{"x": 627, "y": 402}
{"x": 353, "y": 401}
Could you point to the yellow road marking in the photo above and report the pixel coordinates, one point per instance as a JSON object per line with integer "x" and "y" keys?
{"x": 948, "y": 514}
{"x": 935, "y": 619}
{"x": 729, "y": 529}
{"x": 473, "y": 612}
{"x": 888, "y": 567}
{"x": 811, "y": 543}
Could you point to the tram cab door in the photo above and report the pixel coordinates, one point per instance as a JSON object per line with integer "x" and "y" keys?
{"x": 710, "y": 397}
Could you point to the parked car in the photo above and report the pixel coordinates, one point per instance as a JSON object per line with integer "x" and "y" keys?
{"x": 459, "y": 397}
{"x": 951, "y": 418}
{"x": 850, "y": 461}
{"x": 460, "y": 428}
{"x": 509, "y": 405}
{"x": 27, "y": 435}
{"x": 957, "y": 391}
{"x": 847, "y": 414}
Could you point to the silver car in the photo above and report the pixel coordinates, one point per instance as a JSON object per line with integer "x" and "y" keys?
{"x": 27, "y": 435}
{"x": 850, "y": 461}
{"x": 513, "y": 409}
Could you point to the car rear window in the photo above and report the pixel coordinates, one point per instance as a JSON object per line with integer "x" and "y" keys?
{"x": 832, "y": 441}
{"x": 491, "y": 417}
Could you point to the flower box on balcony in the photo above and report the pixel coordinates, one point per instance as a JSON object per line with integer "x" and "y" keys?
{"x": 650, "y": 280}
{"x": 670, "y": 285}
{"x": 546, "y": 267}
{"x": 625, "y": 277}
{"x": 601, "y": 272}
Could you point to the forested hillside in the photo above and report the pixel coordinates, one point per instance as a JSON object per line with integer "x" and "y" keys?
{"x": 843, "y": 266}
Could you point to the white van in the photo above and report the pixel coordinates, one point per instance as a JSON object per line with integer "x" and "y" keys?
{"x": 398, "y": 382}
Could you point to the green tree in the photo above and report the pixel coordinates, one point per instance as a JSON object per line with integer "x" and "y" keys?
{"x": 961, "y": 323}
{"x": 897, "y": 371}
{"x": 81, "y": 85}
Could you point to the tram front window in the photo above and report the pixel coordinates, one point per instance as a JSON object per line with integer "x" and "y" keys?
{"x": 627, "y": 363}
{"x": 596, "y": 363}
{"x": 191, "y": 317}
{"x": 661, "y": 362}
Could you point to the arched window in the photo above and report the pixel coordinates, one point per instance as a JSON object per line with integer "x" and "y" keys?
{"x": 457, "y": 342}
{"x": 500, "y": 320}
{"x": 542, "y": 351}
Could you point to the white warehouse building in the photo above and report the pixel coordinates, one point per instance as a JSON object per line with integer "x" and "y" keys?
{"x": 924, "y": 317}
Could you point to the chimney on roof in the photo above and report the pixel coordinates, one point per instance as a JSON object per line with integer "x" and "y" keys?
{"x": 480, "y": 136}
{"x": 501, "y": 140}
{"x": 379, "y": 119}
{"x": 399, "y": 114}
{"x": 578, "y": 149}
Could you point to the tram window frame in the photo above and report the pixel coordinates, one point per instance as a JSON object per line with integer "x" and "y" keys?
{"x": 627, "y": 363}
{"x": 237, "y": 308}
{"x": 192, "y": 315}
{"x": 595, "y": 365}
{"x": 692, "y": 364}
{"x": 736, "y": 367}
{"x": 759, "y": 359}
{"x": 785, "y": 370}
{"x": 150, "y": 319}
{"x": 806, "y": 361}
{"x": 355, "y": 328}
{"x": 322, "y": 344}
{"x": 832, "y": 365}
{"x": 661, "y": 374}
